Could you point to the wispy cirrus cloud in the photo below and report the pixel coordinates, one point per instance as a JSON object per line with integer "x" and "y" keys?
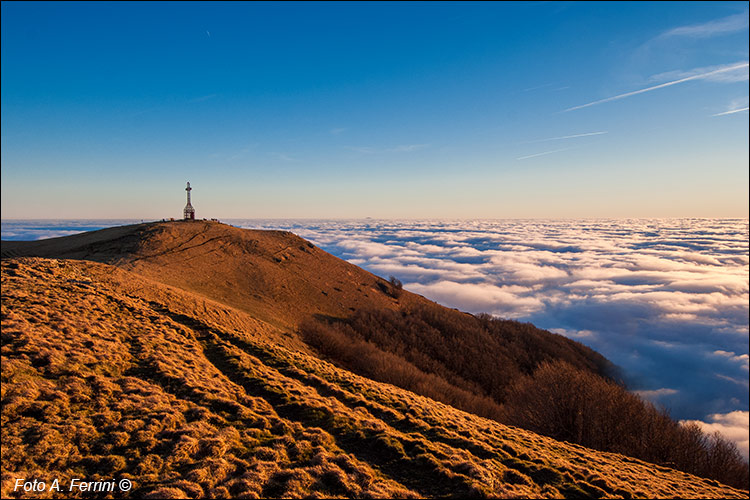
{"x": 725, "y": 25}
{"x": 587, "y": 134}
{"x": 732, "y": 111}
{"x": 736, "y": 106}
{"x": 727, "y": 73}
{"x": 543, "y": 153}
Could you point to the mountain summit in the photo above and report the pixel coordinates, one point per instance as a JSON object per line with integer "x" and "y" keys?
{"x": 176, "y": 356}
{"x": 275, "y": 275}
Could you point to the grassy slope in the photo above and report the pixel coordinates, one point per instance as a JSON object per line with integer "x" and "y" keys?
{"x": 111, "y": 374}
{"x": 274, "y": 275}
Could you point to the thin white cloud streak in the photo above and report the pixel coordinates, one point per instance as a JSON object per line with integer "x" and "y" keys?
{"x": 734, "y": 74}
{"x": 699, "y": 76}
{"x": 542, "y": 154}
{"x": 731, "y": 112}
{"x": 565, "y": 137}
{"x": 729, "y": 24}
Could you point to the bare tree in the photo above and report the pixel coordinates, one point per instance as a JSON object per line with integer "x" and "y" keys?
{"x": 395, "y": 288}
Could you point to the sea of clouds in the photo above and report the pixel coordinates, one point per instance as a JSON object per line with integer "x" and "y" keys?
{"x": 664, "y": 299}
{"x": 30, "y": 230}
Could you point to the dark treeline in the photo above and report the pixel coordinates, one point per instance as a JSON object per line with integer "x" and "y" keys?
{"x": 570, "y": 404}
{"x": 520, "y": 375}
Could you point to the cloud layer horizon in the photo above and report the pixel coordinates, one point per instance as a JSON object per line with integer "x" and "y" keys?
{"x": 664, "y": 299}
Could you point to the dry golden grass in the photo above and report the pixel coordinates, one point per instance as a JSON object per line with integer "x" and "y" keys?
{"x": 275, "y": 276}
{"x": 109, "y": 374}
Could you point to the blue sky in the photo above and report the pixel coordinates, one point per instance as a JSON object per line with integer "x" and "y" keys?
{"x": 384, "y": 110}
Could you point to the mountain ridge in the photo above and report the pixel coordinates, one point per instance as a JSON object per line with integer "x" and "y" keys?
{"x": 246, "y": 259}
{"x": 238, "y": 404}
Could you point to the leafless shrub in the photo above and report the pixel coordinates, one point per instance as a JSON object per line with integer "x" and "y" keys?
{"x": 396, "y": 287}
{"x": 573, "y": 405}
{"x": 367, "y": 359}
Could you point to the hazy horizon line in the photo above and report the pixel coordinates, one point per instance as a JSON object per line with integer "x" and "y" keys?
{"x": 175, "y": 219}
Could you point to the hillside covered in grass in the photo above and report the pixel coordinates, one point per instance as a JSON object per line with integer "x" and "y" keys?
{"x": 172, "y": 355}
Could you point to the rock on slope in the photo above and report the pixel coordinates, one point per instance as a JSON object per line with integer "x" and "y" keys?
{"x": 112, "y": 374}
